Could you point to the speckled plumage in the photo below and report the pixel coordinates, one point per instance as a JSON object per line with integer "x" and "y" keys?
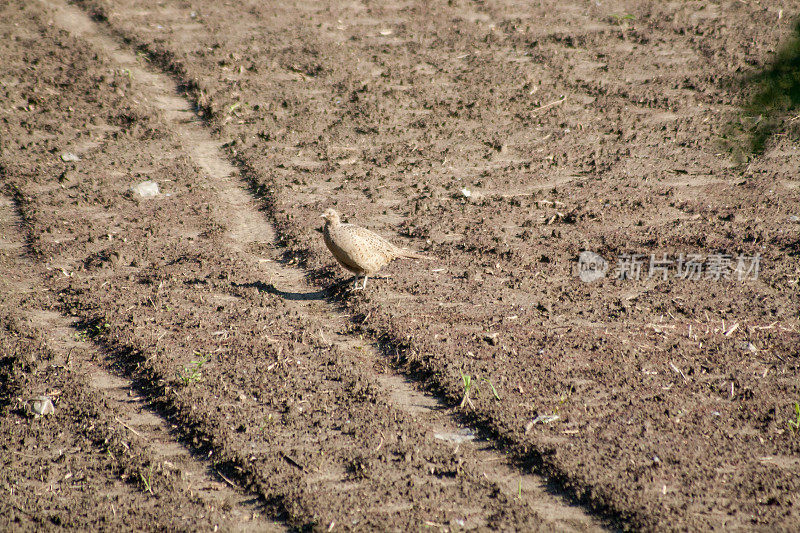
{"x": 358, "y": 249}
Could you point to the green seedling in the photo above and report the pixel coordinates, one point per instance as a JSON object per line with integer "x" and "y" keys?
{"x": 621, "y": 20}
{"x": 563, "y": 399}
{"x": 147, "y": 481}
{"x": 193, "y": 372}
{"x": 269, "y": 421}
{"x": 519, "y": 489}
{"x": 91, "y": 331}
{"x": 494, "y": 391}
{"x": 794, "y": 425}
{"x": 468, "y": 384}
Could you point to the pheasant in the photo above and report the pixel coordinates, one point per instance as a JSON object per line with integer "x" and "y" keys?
{"x": 360, "y": 250}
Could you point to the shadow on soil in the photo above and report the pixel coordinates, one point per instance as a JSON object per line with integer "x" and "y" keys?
{"x": 772, "y": 95}
{"x": 321, "y": 294}
{"x": 330, "y": 294}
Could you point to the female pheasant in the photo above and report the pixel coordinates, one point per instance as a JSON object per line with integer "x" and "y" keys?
{"x": 358, "y": 249}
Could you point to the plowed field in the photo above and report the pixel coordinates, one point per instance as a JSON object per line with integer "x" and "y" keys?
{"x": 209, "y": 364}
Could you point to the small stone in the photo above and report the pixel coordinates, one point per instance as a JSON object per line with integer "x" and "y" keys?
{"x": 475, "y": 277}
{"x": 146, "y": 189}
{"x": 541, "y": 419}
{"x": 460, "y": 437}
{"x": 67, "y": 176}
{"x": 42, "y": 406}
{"x": 748, "y": 346}
{"x": 69, "y": 157}
{"x": 492, "y": 338}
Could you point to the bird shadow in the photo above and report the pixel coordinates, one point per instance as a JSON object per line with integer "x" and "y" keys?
{"x": 327, "y": 293}
{"x": 321, "y": 294}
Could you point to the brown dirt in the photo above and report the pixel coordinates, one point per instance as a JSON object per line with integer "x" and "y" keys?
{"x": 613, "y": 127}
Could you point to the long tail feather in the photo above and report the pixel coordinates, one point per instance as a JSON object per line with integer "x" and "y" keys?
{"x": 411, "y": 254}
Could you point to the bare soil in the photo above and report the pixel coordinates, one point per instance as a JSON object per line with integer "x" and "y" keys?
{"x": 211, "y": 368}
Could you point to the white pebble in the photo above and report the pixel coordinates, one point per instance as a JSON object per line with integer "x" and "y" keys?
{"x": 146, "y": 189}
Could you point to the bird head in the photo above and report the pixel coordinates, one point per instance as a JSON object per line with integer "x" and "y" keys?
{"x": 331, "y": 216}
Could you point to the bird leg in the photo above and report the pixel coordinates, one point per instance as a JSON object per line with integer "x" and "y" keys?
{"x": 356, "y": 286}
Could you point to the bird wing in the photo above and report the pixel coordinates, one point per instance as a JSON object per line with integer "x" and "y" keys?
{"x": 366, "y": 239}
{"x": 382, "y": 246}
